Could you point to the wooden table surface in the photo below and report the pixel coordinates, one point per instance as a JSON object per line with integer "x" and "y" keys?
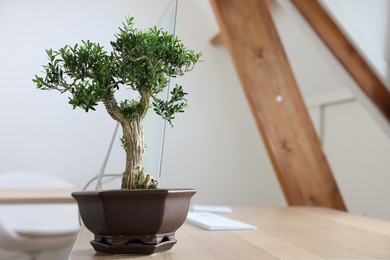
{"x": 282, "y": 233}
{"x": 14, "y": 196}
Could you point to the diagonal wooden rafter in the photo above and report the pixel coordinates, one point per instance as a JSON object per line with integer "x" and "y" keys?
{"x": 346, "y": 53}
{"x": 217, "y": 40}
{"x": 275, "y": 100}
{"x": 343, "y": 50}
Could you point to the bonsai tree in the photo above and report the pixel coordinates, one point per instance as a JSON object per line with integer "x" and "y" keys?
{"x": 142, "y": 62}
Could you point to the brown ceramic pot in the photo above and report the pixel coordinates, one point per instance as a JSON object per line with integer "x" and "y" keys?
{"x": 133, "y": 221}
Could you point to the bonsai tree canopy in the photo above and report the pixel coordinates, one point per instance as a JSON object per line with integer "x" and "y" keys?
{"x": 141, "y": 61}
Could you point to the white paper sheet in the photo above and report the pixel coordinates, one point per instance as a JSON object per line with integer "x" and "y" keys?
{"x": 212, "y": 221}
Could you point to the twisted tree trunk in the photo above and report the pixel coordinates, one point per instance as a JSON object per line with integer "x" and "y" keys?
{"x": 135, "y": 149}
{"x": 134, "y": 176}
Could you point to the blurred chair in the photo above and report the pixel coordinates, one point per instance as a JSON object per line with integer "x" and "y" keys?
{"x": 36, "y": 228}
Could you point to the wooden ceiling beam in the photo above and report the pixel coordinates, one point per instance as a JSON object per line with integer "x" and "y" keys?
{"x": 346, "y": 53}
{"x": 217, "y": 40}
{"x": 276, "y": 103}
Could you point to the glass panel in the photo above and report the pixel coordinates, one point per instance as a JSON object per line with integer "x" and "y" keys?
{"x": 153, "y": 123}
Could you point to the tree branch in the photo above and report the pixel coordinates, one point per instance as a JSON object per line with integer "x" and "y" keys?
{"x": 113, "y": 110}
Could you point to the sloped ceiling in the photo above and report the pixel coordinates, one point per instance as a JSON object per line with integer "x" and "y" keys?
{"x": 317, "y": 70}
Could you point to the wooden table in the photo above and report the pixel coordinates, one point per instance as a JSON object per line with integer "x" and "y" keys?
{"x": 26, "y": 196}
{"x": 282, "y": 233}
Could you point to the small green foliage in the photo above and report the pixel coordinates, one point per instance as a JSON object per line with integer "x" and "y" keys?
{"x": 131, "y": 108}
{"x": 176, "y": 104}
{"x": 141, "y": 61}
{"x": 123, "y": 142}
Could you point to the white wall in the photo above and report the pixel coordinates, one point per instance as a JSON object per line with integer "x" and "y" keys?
{"x": 40, "y": 131}
{"x": 366, "y": 23}
{"x": 357, "y": 150}
{"x": 359, "y": 154}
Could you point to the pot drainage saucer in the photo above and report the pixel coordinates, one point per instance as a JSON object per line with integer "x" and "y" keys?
{"x": 139, "y": 249}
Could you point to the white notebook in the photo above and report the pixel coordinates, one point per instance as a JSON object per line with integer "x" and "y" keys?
{"x": 211, "y": 208}
{"x": 212, "y": 221}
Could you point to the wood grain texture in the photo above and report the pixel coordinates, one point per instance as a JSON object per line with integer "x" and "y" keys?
{"x": 346, "y": 53}
{"x": 282, "y": 233}
{"x": 266, "y": 77}
{"x": 217, "y": 40}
